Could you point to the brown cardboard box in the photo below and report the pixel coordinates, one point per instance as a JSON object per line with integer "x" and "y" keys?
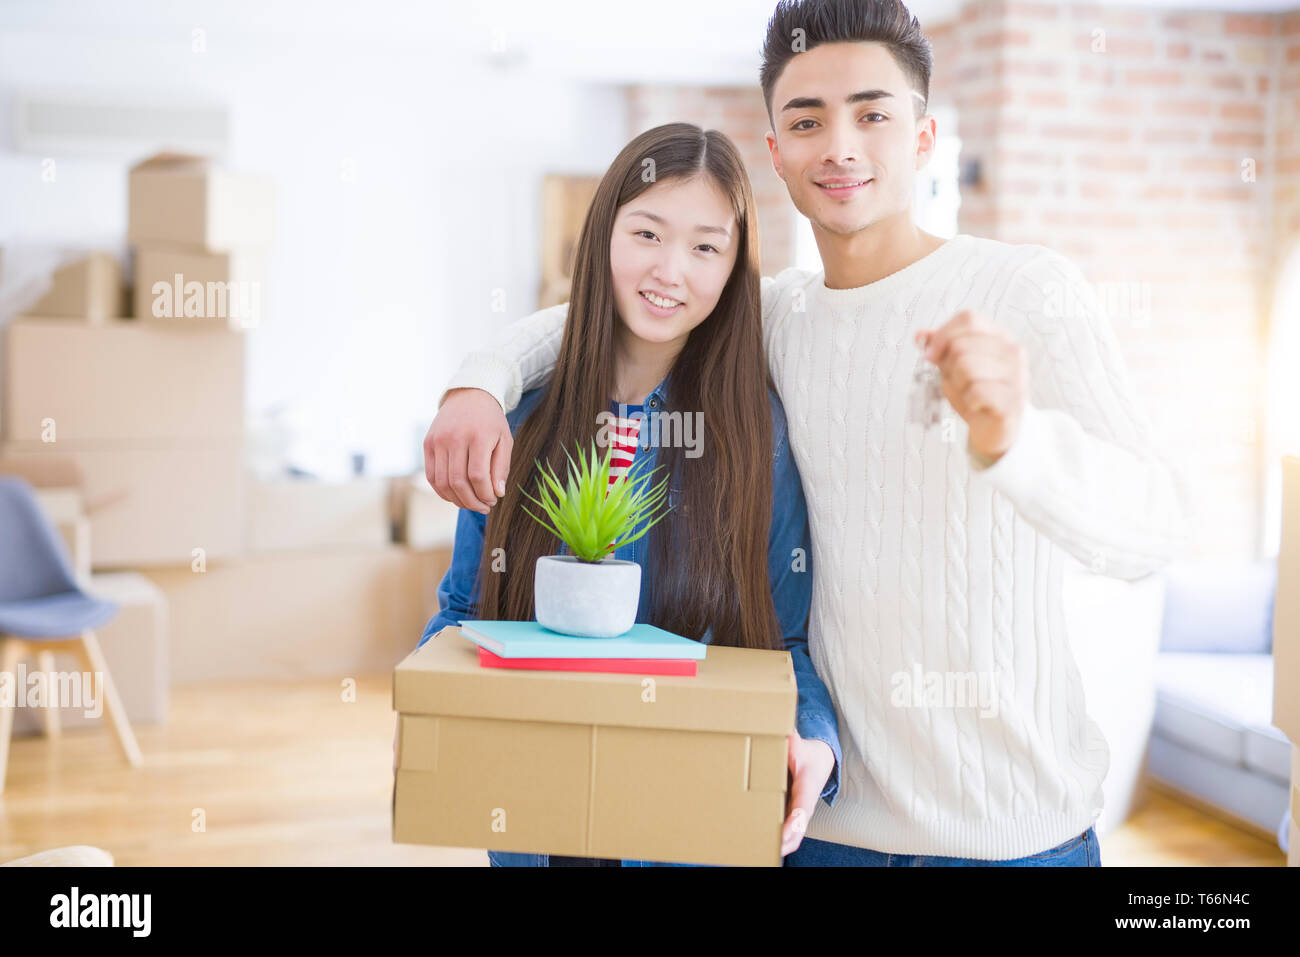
{"x": 288, "y": 514}
{"x": 154, "y": 503}
{"x": 182, "y": 200}
{"x": 565, "y": 200}
{"x": 338, "y": 611}
{"x": 421, "y": 518}
{"x": 135, "y": 646}
{"x": 1286, "y": 610}
{"x": 89, "y": 289}
{"x": 62, "y": 506}
{"x": 120, "y": 382}
{"x": 47, "y": 472}
{"x": 672, "y": 769}
{"x": 230, "y": 294}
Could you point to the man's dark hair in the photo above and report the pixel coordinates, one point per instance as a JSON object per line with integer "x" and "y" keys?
{"x": 887, "y": 22}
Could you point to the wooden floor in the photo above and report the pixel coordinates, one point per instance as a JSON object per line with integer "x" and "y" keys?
{"x": 281, "y": 773}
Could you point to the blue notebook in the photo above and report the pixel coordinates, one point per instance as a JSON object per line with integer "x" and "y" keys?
{"x": 528, "y": 639}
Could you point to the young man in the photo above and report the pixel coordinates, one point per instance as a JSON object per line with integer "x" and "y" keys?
{"x": 939, "y": 553}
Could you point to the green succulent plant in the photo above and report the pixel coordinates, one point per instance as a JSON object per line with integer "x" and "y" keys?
{"x": 591, "y": 516}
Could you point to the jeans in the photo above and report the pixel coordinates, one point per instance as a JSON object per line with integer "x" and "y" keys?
{"x": 1081, "y": 851}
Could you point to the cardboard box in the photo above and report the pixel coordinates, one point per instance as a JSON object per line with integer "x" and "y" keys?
{"x": 336, "y": 612}
{"x": 89, "y": 289}
{"x": 51, "y": 471}
{"x": 1286, "y": 609}
{"x": 62, "y": 506}
{"x": 134, "y": 643}
{"x": 156, "y": 503}
{"x": 120, "y": 382}
{"x": 673, "y": 769}
{"x": 565, "y": 201}
{"x": 195, "y": 289}
{"x": 292, "y": 514}
{"x": 421, "y": 518}
{"x": 182, "y": 200}
{"x": 1293, "y": 848}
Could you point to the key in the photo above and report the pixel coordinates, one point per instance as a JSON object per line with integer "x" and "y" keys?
{"x": 926, "y": 395}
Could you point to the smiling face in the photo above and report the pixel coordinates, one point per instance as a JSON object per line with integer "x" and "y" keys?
{"x": 671, "y": 253}
{"x": 846, "y": 138}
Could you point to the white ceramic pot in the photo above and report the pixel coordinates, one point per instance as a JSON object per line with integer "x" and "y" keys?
{"x": 586, "y": 599}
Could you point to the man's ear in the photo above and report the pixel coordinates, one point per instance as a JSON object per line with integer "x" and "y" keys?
{"x": 774, "y": 153}
{"x": 925, "y": 140}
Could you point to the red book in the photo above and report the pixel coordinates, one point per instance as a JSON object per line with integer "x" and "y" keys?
{"x": 630, "y": 666}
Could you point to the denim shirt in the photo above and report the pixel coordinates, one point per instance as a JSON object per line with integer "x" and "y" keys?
{"x": 791, "y": 589}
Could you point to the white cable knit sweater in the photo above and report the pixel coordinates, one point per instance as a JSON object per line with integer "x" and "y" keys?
{"x": 937, "y": 616}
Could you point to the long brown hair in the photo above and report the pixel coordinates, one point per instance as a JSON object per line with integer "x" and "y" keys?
{"x": 709, "y": 555}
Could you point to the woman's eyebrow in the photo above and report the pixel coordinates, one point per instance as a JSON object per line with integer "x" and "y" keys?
{"x": 663, "y": 222}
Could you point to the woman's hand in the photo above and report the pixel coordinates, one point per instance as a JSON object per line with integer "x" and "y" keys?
{"x": 467, "y": 450}
{"x": 811, "y": 763}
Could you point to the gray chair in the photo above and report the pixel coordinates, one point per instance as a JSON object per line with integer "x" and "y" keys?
{"x": 43, "y": 611}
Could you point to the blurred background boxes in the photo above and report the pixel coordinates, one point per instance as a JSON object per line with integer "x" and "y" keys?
{"x": 63, "y": 507}
{"x": 89, "y": 288}
{"x": 565, "y": 200}
{"x": 135, "y": 646}
{"x": 155, "y": 503}
{"x": 289, "y": 514}
{"x": 182, "y": 200}
{"x": 327, "y": 611}
{"x": 421, "y": 519}
{"x": 151, "y": 418}
{"x": 231, "y": 286}
{"x": 120, "y": 382}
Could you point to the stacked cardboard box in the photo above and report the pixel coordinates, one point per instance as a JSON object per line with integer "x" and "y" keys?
{"x": 58, "y": 485}
{"x": 89, "y": 287}
{"x": 335, "y": 611}
{"x": 135, "y": 641}
{"x": 675, "y": 769}
{"x": 201, "y": 236}
{"x": 290, "y": 514}
{"x": 135, "y": 647}
{"x": 419, "y": 517}
{"x": 64, "y": 509}
{"x": 152, "y": 417}
{"x": 565, "y": 200}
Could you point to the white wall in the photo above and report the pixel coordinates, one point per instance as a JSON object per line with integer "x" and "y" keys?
{"x": 407, "y": 170}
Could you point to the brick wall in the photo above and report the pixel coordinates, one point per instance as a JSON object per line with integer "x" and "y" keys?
{"x": 1158, "y": 148}
{"x": 1286, "y": 192}
{"x": 739, "y": 113}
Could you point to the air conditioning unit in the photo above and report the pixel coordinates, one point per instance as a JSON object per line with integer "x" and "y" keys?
{"x": 66, "y": 123}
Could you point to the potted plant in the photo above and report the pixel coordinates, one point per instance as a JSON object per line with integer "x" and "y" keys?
{"x": 586, "y": 593}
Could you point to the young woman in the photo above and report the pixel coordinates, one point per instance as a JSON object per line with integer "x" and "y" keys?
{"x": 664, "y": 317}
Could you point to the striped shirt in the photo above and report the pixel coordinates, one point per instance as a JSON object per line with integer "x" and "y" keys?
{"x": 624, "y": 433}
